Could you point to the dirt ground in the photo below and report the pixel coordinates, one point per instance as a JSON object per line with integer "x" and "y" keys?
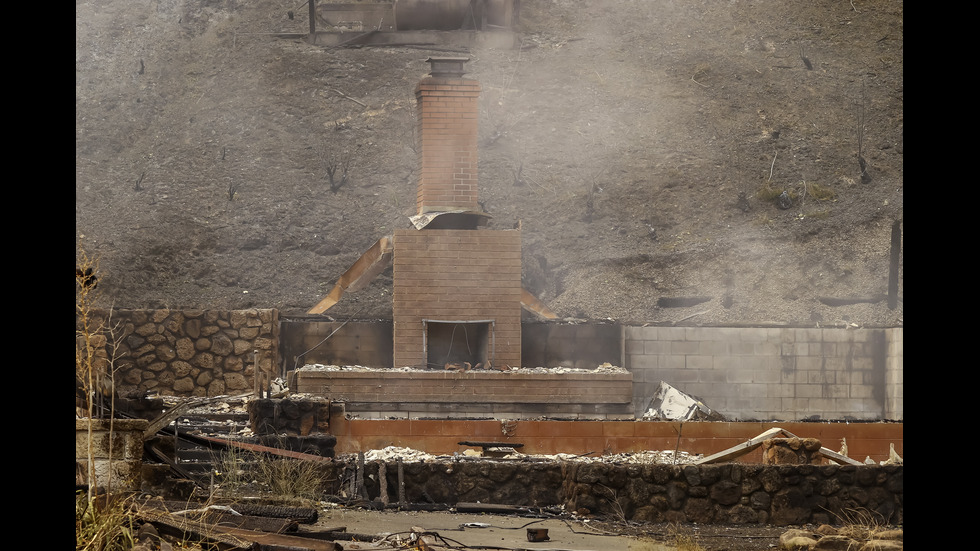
{"x": 510, "y": 532}
{"x": 642, "y": 146}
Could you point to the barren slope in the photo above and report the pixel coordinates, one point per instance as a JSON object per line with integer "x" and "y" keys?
{"x": 202, "y": 138}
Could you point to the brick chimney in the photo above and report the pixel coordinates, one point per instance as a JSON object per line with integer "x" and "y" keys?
{"x": 456, "y": 286}
{"x": 447, "y": 128}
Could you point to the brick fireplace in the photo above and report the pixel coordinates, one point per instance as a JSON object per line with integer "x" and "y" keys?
{"x": 457, "y": 285}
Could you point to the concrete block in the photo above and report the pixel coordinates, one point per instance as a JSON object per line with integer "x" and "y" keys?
{"x": 810, "y": 334}
{"x": 862, "y": 364}
{"x": 700, "y": 333}
{"x": 728, "y": 363}
{"x": 633, "y": 346}
{"x": 673, "y": 362}
{"x": 742, "y": 348}
{"x": 669, "y": 333}
{"x": 638, "y": 363}
{"x": 673, "y": 376}
{"x": 753, "y": 335}
{"x": 714, "y": 348}
{"x": 634, "y": 333}
{"x": 657, "y": 347}
{"x": 699, "y": 362}
{"x": 768, "y": 348}
{"x": 764, "y": 376}
{"x": 808, "y": 390}
{"x": 713, "y": 376}
{"x": 861, "y": 392}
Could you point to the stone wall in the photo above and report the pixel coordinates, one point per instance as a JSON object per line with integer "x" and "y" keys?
{"x": 708, "y": 494}
{"x": 115, "y": 448}
{"x": 737, "y": 494}
{"x": 191, "y": 352}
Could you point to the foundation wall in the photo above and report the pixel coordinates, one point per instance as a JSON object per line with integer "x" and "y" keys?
{"x": 442, "y": 436}
{"x": 708, "y": 494}
{"x": 408, "y": 395}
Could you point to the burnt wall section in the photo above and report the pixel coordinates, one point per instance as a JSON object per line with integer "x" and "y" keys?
{"x": 191, "y": 352}
{"x": 548, "y": 437}
{"x": 773, "y": 373}
{"x": 582, "y": 346}
{"x": 706, "y": 494}
{"x": 366, "y": 343}
{"x": 369, "y": 343}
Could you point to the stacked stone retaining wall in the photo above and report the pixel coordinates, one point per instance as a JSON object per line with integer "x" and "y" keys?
{"x": 190, "y": 352}
{"x": 727, "y": 493}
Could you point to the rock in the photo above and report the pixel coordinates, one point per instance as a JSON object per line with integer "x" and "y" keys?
{"x": 797, "y": 539}
{"x": 882, "y": 545}
{"x": 784, "y": 201}
{"x": 834, "y": 543}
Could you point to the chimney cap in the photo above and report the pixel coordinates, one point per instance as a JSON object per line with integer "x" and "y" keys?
{"x": 451, "y": 67}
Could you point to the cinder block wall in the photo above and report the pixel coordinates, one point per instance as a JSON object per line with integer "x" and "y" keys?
{"x": 464, "y": 275}
{"x": 773, "y": 373}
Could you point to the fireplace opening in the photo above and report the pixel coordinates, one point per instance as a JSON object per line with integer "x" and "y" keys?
{"x": 458, "y": 343}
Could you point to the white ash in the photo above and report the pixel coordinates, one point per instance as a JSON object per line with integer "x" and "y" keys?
{"x": 393, "y": 453}
{"x": 604, "y": 368}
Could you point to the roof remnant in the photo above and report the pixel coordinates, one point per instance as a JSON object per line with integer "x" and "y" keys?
{"x": 753, "y": 443}
{"x": 358, "y": 276}
{"x": 671, "y": 404}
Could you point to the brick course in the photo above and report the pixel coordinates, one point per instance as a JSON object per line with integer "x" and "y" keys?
{"x": 447, "y": 127}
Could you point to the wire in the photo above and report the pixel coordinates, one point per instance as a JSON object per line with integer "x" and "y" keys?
{"x": 317, "y": 345}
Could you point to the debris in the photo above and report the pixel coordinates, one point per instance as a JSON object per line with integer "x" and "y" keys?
{"x": 358, "y": 276}
{"x": 603, "y": 368}
{"x": 753, "y": 443}
{"x": 893, "y": 457}
{"x": 784, "y": 201}
{"x": 537, "y": 534}
{"x": 671, "y": 404}
{"x": 278, "y": 388}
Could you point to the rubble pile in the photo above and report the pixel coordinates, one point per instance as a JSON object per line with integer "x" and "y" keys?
{"x": 603, "y": 368}
{"x": 409, "y": 455}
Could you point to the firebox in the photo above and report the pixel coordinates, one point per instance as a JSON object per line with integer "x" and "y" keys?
{"x": 458, "y": 344}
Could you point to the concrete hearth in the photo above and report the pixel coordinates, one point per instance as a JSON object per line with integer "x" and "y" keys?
{"x": 517, "y": 394}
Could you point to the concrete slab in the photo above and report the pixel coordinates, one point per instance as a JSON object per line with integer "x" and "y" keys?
{"x": 475, "y": 530}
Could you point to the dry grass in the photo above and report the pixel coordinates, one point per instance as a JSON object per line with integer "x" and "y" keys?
{"x": 683, "y": 540}
{"x": 105, "y": 523}
{"x": 860, "y": 524}
{"x": 292, "y": 477}
{"x": 242, "y": 473}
